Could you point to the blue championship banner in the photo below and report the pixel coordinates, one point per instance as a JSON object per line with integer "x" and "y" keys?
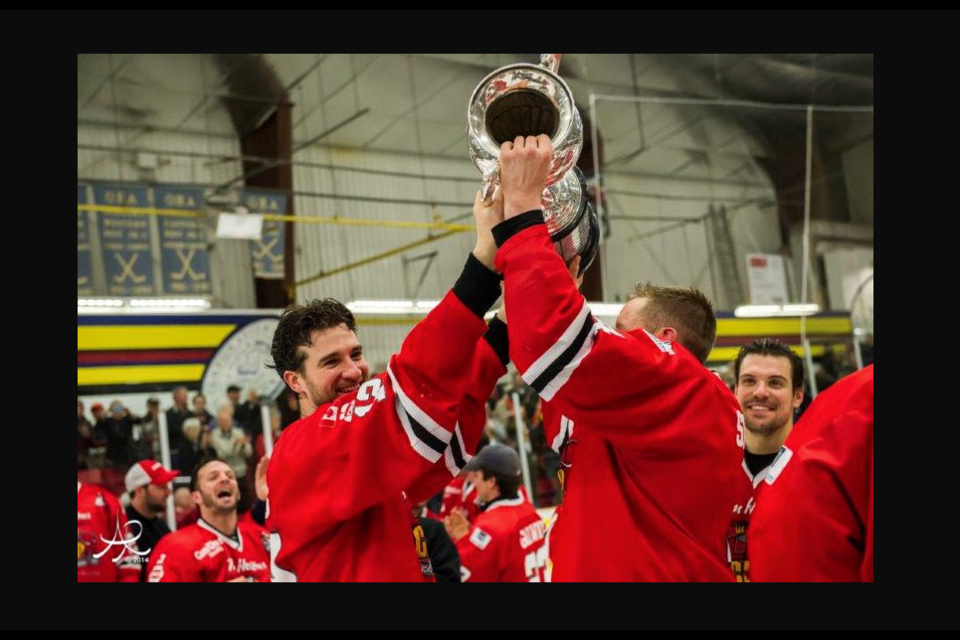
{"x": 125, "y": 241}
{"x": 84, "y": 268}
{"x": 184, "y": 259}
{"x": 267, "y": 252}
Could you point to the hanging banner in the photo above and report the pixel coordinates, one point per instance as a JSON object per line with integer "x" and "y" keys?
{"x": 125, "y": 241}
{"x": 84, "y": 262}
{"x": 184, "y": 259}
{"x": 267, "y": 252}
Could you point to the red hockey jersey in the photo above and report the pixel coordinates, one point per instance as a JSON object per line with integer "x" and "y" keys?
{"x": 815, "y": 520}
{"x": 505, "y": 544}
{"x": 461, "y": 494}
{"x": 106, "y": 548}
{"x": 200, "y": 553}
{"x": 750, "y": 488}
{"x": 337, "y": 478}
{"x": 651, "y": 442}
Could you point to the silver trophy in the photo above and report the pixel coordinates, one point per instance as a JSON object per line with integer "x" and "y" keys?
{"x": 527, "y": 100}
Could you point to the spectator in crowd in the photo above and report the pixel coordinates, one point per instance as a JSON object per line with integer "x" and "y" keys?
{"x": 119, "y": 429}
{"x": 200, "y": 412}
{"x": 175, "y": 417}
{"x": 84, "y": 437}
{"x": 247, "y": 413}
{"x": 145, "y": 438}
{"x": 196, "y": 443}
{"x": 148, "y": 484}
{"x": 505, "y": 543}
{"x": 233, "y": 446}
{"x": 218, "y": 548}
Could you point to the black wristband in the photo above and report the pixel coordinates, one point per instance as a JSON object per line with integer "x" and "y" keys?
{"x": 509, "y": 228}
{"x": 477, "y": 287}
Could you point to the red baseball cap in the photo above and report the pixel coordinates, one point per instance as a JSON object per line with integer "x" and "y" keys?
{"x": 148, "y": 472}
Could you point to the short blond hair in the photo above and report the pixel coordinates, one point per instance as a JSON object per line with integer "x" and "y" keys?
{"x": 685, "y": 309}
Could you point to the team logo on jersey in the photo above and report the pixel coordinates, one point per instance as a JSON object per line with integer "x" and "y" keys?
{"x": 86, "y": 541}
{"x": 737, "y": 549}
{"x": 210, "y": 549}
{"x": 480, "y": 538}
{"x": 664, "y": 345}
